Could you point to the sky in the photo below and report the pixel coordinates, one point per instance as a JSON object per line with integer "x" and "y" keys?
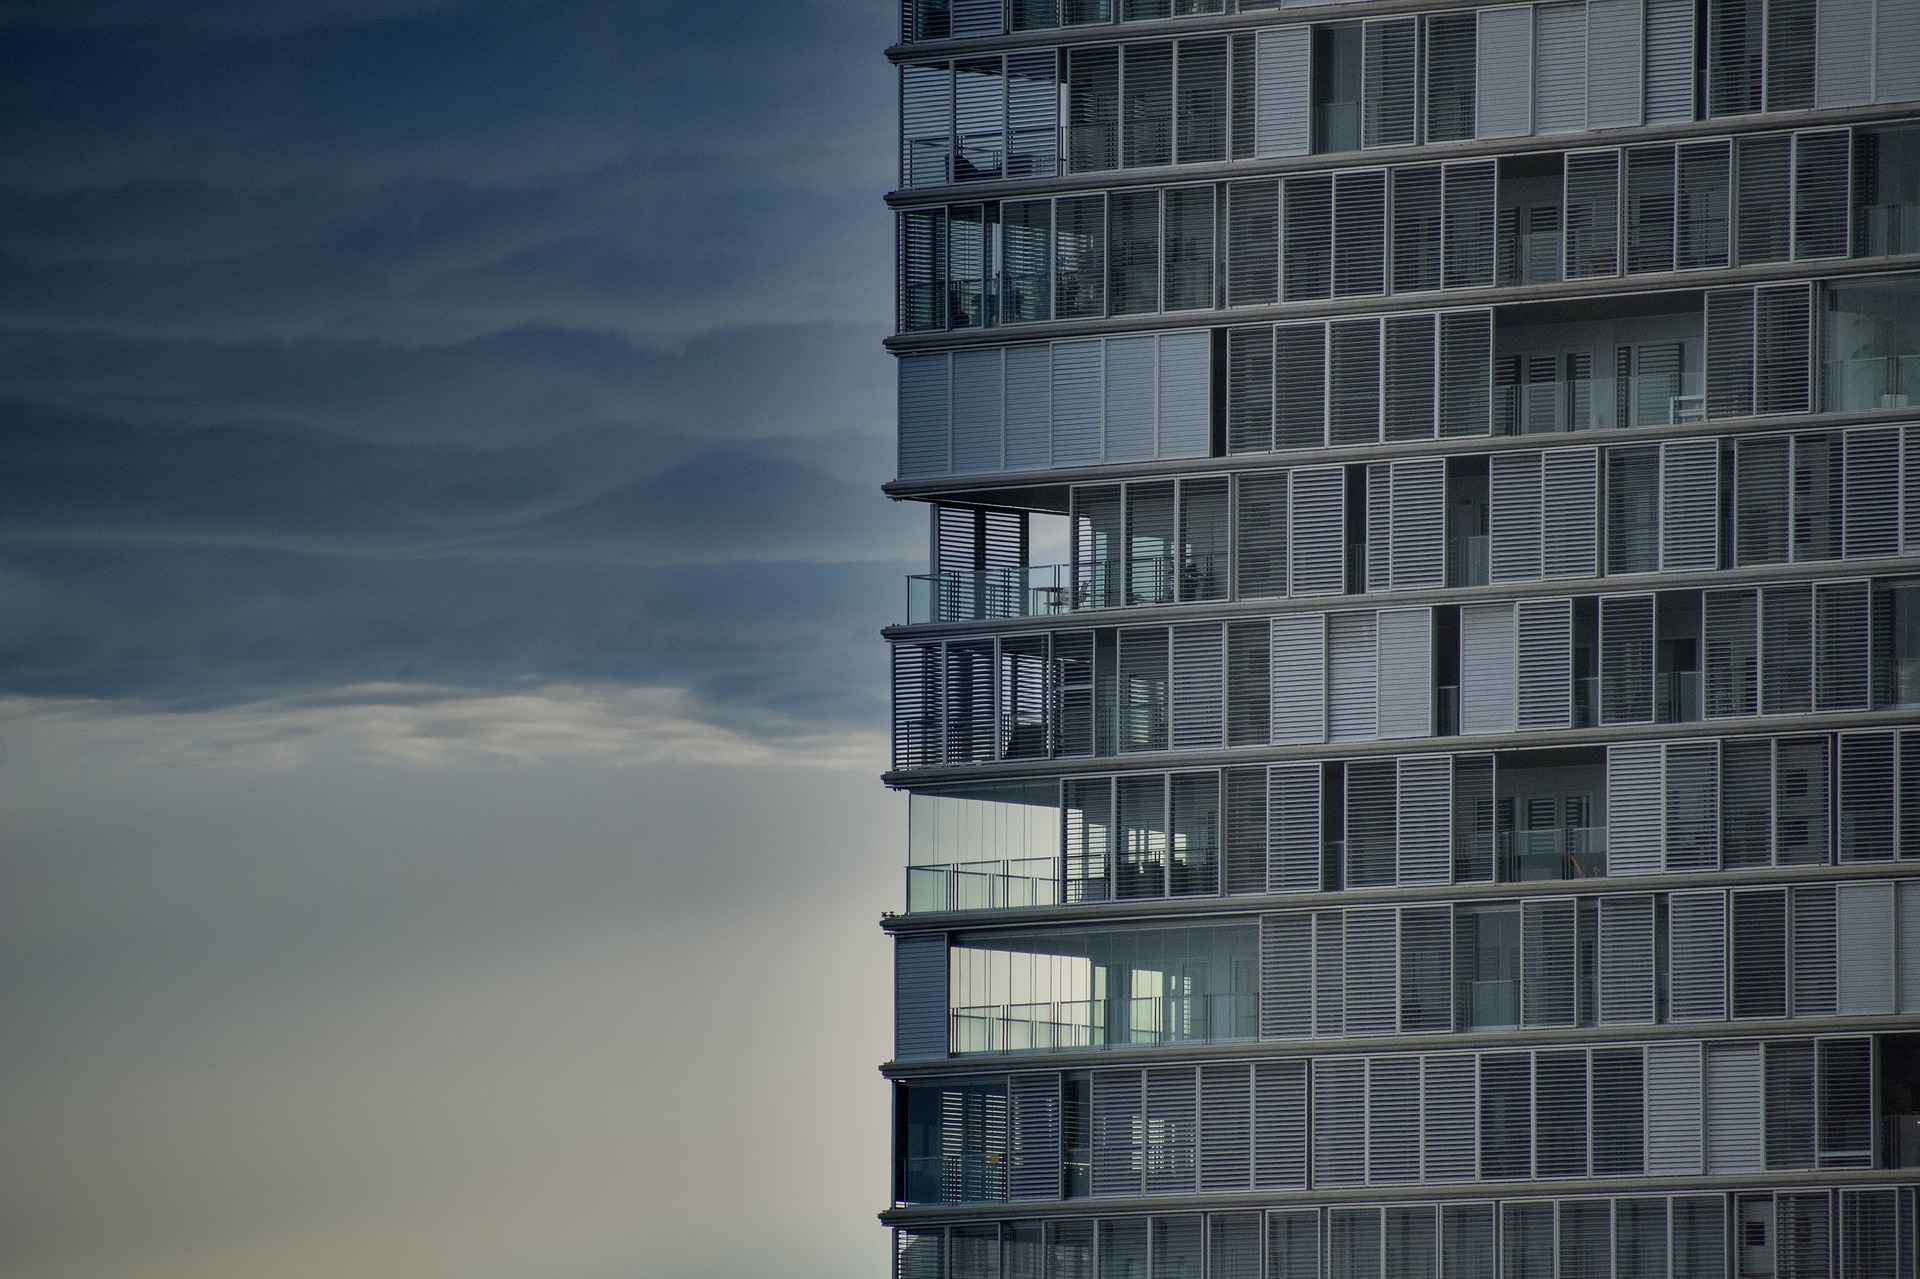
{"x": 441, "y": 699}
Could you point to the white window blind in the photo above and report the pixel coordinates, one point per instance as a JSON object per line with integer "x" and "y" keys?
{"x": 1487, "y": 643}
{"x": 1406, "y": 677}
{"x": 1299, "y": 648}
{"x": 1504, "y": 99}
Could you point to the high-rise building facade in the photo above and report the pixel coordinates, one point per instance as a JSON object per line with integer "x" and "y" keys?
{"x": 1412, "y": 723}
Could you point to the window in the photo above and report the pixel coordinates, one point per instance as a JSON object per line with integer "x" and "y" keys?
{"x": 1337, "y": 61}
{"x": 1870, "y": 341}
{"x": 1487, "y": 967}
{"x": 951, "y": 1141}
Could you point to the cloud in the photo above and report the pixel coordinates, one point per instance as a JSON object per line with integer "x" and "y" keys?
{"x": 434, "y": 727}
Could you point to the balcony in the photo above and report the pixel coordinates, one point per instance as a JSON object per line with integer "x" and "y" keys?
{"x": 1001, "y": 885}
{"x": 1881, "y": 382}
{"x": 1048, "y": 590}
{"x": 1467, "y": 559}
{"x": 953, "y": 1179}
{"x": 1600, "y": 403}
{"x": 1676, "y": 697}
{"x": 1529, "y": 257}
{"x": 1887, "y": 228}
{"x": 1105, "y": 1023}
{"x": 1558, "y": 852}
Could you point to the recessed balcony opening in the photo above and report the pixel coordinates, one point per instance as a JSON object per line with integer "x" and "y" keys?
{"x": 1899, "y": 1074}
{"x": 991, "y": 846}
{"x": 1598, "y": 365}
{"x": 1530, "y": 816}
{"x": 1870, "y": 341}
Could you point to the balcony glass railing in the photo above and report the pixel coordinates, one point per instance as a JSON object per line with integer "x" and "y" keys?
{"x": 1902, "y": 1140}
{"x": 1002, "y": 885}
{"x": 1467, "y": 559}
{"x": 1105, "y": 1023}
{"x": 1494, "y": 1005}
{"x": 1558, "y": 852}
{"x": 1676, "y": 697}
{"x": 1529, "y": 257}
{"x": 1046, "y": 590}
{"x": 953, "y": 1179}
{"x": 1888, "y": 228}
{"x": 1586, "y": 701}
{"x": 1599, "y": 404}
{"x": 1881, "y": 382}
{"x": 1338, "y": 125}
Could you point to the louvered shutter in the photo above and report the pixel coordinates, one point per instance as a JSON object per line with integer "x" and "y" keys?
{"x": 1131, "y": 394}
{"x": 1467, "y": 225}
{"x": 1669, "y": 61}
{"x": 1286, "y": 975}
{"x": 1619, "y": 1112}
{"x": 1080, "y": 257}
{"x": 1250, "y": 389}
{"x": 1249, "y": 683}
{"x": 1093, "y": 109}
{"x": 1079, "y": 392}
{"x": 920, "y": 996}
{"x": 1763, "y": 198}
{"x": 1293, "y": 823}
{"x": 1907, "y": 944}
{"x": 1029, "y": 410}
{"x": 1843, "y": 1071}
{"x": 1146, "y": 104}
{"x": 926, "y": 123}
{"x": 1503, "y": 106}
{"x": 1279, "y": 1125}
{"x": 1405, "y": 700}
{"x": 1692, "y": 807}
{"x": 1872, "y": 499}
{"x": 1760, "y": 511}
{"x": 1843, "y": 53}
{"x": 1733, "y": 1132}
{"x": 1786, "y": 659}
{"x": 1329, "y": 973}
{"x": 1840, "y": 635}
{"x": 1419, "y": 509}
{"x": 1731, "y": 653}
{"x": 1704, "y": 177}
{"x": 971, "y": 714}
{"x": 1513, "y": 516}
{"x": 1300, "y": 386}
{"x": 1352, "y": 676}
{"x": 1757, "y": 930}
{"x": 1626, "y": 659}
{"x": 1377, "y": 561}
{"x": 1783, "y": 346}
{"x": 978, "y": 391}
{"x": 1354, "y": 375}
{"x": 1547, "y": 962}
{"x": 1033, "y": 114}
{"x": 1260, "y": 548}
{"x": 1673, "y": 1109}
{"x": 1199, "y": 686}
{"x": 1282, "y": 80}
{"x": 1359, "y": 233}
{"x": 1822, "y": 166}
{"x": 1697, "y": 947}
{"x": 1866, "y": 797}
{"x": 1907, "y": 778}
{"x": 1560, "y": 67}
{"x": 918, "y": 740}
{"x": 1390, "y": 61}
{"x": 1226, "y": 1127}
{"x": 1034, "y": 1103}
{"x": 1690, "y": 505}
{"x": 1416, "y": 228}
{"x": 1746, "y": 802}
{"x": 1450, "y": 1102}
{"x": 1339, "y": 1122}
{"x": 1896, "y": 52}
{"x": 1185, "y": 387}
{"x": 1141, "y": 673}
{"x": 1172, "y": 1123}
{"x": 1650, "y": 209}
{"x": 1506, "y": 1116}
{"x": 1372, "y": 969}
{"x": 1411, "y": 366}
{"x": 1560, "y": 1113}
{"x": 1730, "y": 352}
{"x": 1306, "y": 263}
{"x": 1299, "y": 679}
{"x": 1426, "y": 958}
{"x": 1486, "y": 668}
{"x": 1317, "y": 523}
{"x": 1800, "y": 801}
{"x": 1393, "y": 1118}
{"x": 1466, "y": 373}
{"x": 1201, "y": 105}
{"x": 924, "y": 400}
{"x": 1545, "y": 670}
{"x": 1866, "y": 949}
{"x": 1253, "y": 242}
{"x": 920, "y": 1253}
{"x": 1569, "y": 498}
{"x": 1118, "y": 1130}
{"x": 1615, "y": 44}
{"x": 1626, "y": 959}
{"x": 1246, "y": 829}
{"x": 1636, "y": 803}
{"x": 1818, "y": 485}
{"x": 1592, "y": 214}
{"x": 1788, "y": 1071}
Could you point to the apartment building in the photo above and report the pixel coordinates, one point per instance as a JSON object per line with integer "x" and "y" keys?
{"x": 1412, "y": 720}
